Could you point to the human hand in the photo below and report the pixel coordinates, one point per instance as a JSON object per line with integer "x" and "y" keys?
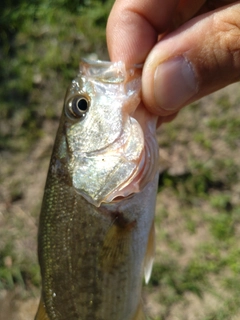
{"x": 189, "y": 48}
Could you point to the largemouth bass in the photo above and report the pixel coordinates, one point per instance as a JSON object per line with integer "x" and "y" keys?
{"x": 96, "y": 232}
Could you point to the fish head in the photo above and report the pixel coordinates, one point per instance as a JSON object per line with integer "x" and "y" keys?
{"x": 110, "y": 136}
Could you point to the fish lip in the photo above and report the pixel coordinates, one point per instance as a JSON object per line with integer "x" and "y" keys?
{"x": 107, "y": 71}
{"x": 106, "y": 63}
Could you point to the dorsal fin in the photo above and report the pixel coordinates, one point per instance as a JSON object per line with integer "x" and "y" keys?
{"x": 150, "y": 252}
{"x": 41, "y": 313}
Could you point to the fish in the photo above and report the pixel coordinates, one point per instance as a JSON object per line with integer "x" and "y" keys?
{"x": 96, "y": 237}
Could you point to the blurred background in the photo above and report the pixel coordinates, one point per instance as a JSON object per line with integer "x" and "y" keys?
{"x": 196, "y": 275}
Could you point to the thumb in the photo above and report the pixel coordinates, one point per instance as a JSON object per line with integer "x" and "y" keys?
{"x": 200, "y": 57}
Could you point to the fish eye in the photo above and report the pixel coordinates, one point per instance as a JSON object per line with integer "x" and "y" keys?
{"x": 78, "y": 106}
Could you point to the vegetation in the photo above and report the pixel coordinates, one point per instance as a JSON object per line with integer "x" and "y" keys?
{"x": 197, "y": 270}
{"x": 196, "y": 273}
{"x": 41, "y": 44}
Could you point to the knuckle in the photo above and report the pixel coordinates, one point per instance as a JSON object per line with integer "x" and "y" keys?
{"x": 227, "y": 26}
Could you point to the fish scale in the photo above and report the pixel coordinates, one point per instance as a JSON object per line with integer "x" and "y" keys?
{"x": 94, "y": 253}
{"x": 82, "y": 284}
{"x": 65, "y": 236}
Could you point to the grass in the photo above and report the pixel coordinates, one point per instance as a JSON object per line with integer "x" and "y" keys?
{"x": 41, "y": 44}
{"x": 196, "y": 274}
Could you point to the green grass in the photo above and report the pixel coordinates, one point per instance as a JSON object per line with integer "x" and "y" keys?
{"x": 196, "y": 274}
{"x": 41, "y": 44}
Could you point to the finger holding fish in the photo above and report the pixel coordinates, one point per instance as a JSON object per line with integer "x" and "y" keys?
{"x": 189, "y": 48}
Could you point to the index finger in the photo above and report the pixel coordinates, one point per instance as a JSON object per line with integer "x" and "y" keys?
{"x": 134, "y": 25}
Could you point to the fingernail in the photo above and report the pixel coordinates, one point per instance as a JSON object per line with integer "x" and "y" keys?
{"x": 174, "y": 83}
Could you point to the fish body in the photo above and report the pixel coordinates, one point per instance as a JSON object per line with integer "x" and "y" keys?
{"x": 96, "y": 231}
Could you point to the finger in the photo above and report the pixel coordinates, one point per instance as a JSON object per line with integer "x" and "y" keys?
{"x": 133, "y": 27}
{"x": 200, "y": 57}
{"x": 166, "y": 119}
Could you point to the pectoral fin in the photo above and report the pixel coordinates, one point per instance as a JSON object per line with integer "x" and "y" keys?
{"x": 149, "y": 256}
{"x": 115, "y": 248}
{"x": 116, "y": 245}
{"x": 41, "y": 313}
